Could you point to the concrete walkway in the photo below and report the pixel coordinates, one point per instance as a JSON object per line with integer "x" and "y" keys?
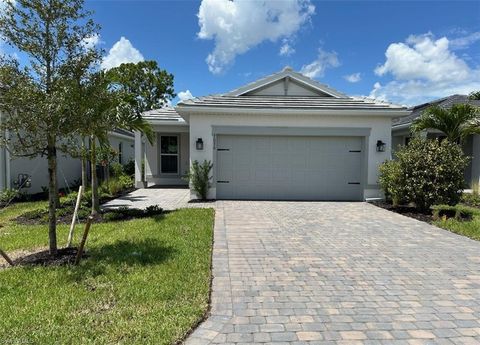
{"x": 338, "y": 273}
{"x": 167, "y": 198}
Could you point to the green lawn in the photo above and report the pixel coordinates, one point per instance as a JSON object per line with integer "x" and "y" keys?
{"x": 466, "y": 228}
{"x": 146, "y": 282}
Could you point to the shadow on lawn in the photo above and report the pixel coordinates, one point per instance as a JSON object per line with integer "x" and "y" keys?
{"x": 140, "y": 252}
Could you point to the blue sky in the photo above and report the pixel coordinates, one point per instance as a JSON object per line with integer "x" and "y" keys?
{"x": 433, "y": 47}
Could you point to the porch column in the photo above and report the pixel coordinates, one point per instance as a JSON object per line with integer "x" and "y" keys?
{"x": 138, "y": 160}
{"x": 476, "y": 161}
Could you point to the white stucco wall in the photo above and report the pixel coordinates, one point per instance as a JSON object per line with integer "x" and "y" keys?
{"x": 128, "y": 147}
{"x": 201, "y": 127}
{"x": 68, "y": 170}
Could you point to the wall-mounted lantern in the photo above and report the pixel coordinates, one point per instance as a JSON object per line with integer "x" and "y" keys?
{"x": 381, "y": 146}
{"x": 199, "y": 144}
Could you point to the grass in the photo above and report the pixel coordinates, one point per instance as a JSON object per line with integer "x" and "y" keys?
{"x": 146, "y": 281}
{"x": 470, "y": 228}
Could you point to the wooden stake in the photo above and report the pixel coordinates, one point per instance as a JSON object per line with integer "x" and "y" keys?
{"x": 84, "y": 239}
{"x": 6, "y": 257}
{"x": 74, "y": 218}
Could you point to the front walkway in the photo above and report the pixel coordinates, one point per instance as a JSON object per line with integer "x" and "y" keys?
{"x": 167, "y": 198}
{"x": 344, "y": 273}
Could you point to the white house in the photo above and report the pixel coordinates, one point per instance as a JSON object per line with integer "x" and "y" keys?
{"x": 401, "y": 133}
{"x": 283, "y": 137}
{"x": 14, "y": 169}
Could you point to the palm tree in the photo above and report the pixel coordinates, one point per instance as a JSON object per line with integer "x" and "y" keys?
{"x": 456, "y": 122}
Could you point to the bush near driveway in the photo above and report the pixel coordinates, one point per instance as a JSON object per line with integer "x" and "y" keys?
{"x": 145, "y": 281}
{"x": 426, "y": 172}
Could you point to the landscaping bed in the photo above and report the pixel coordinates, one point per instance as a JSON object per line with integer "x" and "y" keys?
{"x": 405, "y": 210}
{"x": 144, "y": 281}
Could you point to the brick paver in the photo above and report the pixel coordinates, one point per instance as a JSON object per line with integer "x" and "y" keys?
{"x": 338, "y": 273}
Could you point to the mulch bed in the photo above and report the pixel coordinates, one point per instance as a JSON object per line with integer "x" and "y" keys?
{"x": 408, "y": 211}
{"x": 64, "y": 256}
{"x": 67, "y": 219}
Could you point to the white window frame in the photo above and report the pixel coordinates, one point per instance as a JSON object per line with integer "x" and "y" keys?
{"x": 169, "y": 154}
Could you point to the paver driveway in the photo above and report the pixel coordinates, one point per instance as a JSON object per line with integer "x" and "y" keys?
{"x": 346, "y": 273}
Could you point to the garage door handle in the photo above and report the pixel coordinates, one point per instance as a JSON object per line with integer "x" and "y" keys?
{"x": 223, "y": 149}
{"x": 353, "y": 182}
{"x": 355, "y": 151}
{"x": 223, "y": 181}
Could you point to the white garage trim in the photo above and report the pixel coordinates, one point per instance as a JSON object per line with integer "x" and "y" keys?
{"x": 293, "y": 131}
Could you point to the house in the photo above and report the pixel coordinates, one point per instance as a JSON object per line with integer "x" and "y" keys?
{"x": 401, "y": 133}
{"x": 283, "y": 137}
{"x": 14, "y": 170}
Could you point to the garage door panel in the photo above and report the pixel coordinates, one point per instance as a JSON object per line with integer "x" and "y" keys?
{"x": 289, "y": 168}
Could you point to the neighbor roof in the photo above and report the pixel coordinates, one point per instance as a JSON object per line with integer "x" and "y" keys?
{"x": 163, "y": 115}
{"x": 445, "y": 102}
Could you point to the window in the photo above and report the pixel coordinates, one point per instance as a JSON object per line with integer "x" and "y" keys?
{"x": 120, "y": 153}
{"x": 169, "y": 154}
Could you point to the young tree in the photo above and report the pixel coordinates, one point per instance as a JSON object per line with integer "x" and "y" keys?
{"x": 456, "y": 122}
{"x": 51, "y": 33}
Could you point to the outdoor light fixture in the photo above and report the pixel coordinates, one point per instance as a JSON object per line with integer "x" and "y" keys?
{"x": 199, "y": 144}
{"x": 381, "y": 146}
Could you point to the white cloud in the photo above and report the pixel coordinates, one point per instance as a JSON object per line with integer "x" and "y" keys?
{"x": 91, "y": 42}
{"x": 323, "y": 61}
{"x": 465, "y": 41}
{"x": 122, "y": 52}
{"x": 353, "y": 78}
{"x": 237, "y": 26}
{"x": 424, "y": 68}
{"x": 184, "y": 95}
{"x": 286, "y": 49}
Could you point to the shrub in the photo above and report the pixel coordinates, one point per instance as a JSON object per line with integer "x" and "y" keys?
{"x": 426, "y": 172}
{"x": 459, "y": 212}
{"x": 129, "y": 168}
{"x": 8, "y": 195}
{"x": 116, "y": 169}
{"x": 127, "y": 182}
{"x": 472, "y": 199}
{"x": 391, "y": 182}
{"x": 199, "y": 178}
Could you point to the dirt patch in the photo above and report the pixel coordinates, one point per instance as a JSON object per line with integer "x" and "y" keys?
{"x": 41, "y": 257}
{"x": 408, "y": 211}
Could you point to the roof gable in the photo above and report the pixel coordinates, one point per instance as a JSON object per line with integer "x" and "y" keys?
{"x": 286, "y": 83}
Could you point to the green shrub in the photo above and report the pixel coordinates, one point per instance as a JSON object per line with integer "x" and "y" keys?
{"x": 199, "y": 178}
{"x": 472, "y": 199}
{"x": 391, "y": 182}
{"x": 8, "y": 195}
{"x": 127, "y": 182}
{"x": 129, "y": 168}
{"x": 426, "y": 172}
{"x": 116, "y": 169}
{"x": 459, "y": 212}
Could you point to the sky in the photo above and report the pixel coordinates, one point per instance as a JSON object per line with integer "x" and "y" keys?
{"x": 406, "y": 52}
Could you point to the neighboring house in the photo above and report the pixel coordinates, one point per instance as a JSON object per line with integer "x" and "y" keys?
{"x": 284, "y": 137}
{"x": 13, "y": 169}
{"x": 401, "y": 133}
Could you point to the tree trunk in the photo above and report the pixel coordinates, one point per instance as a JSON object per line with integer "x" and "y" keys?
{"x": 84, "y": 166}
{"x": 52, "y": 194}
{"x": 93, "y": 163}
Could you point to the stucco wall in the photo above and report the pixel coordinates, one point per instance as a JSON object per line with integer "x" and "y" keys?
{"x": 201, "y": 127}
{"x": 128, "y": 148}
{"x": 68, "y": 170}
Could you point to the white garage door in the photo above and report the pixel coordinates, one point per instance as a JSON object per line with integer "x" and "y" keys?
{"x": 289, "y": 168}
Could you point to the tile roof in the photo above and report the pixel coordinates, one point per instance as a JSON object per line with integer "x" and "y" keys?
{"x": 166, "y": 114}
{"x": 445, "y": 102}
{"x": 286, "y": 102}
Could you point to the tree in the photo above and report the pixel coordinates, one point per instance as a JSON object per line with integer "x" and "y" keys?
{"x": 474, "y": 96}
{"x": 457, "y": 122}
{"x": 51, "y": 33}
{"x": 142, "y": 86}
